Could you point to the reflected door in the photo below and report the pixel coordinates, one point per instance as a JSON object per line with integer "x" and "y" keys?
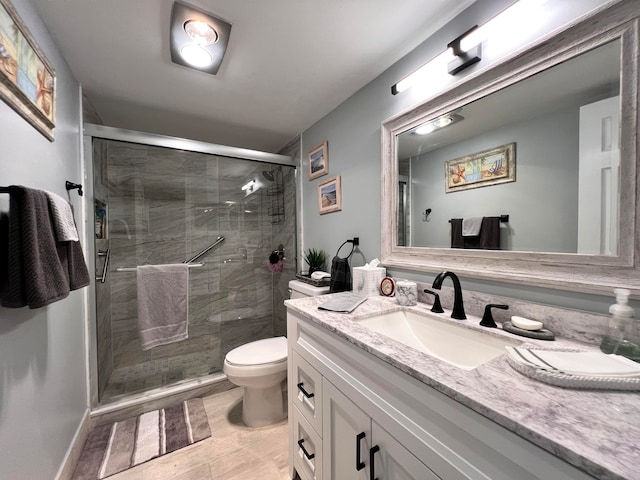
{"x": 599, "y": 178}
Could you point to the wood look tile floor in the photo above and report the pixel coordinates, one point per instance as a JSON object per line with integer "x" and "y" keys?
{"x": 233, "y": 452}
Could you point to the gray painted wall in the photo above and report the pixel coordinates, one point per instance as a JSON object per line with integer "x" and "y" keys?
{"x": 353, "y": 134}
{"x": 43, "y": 392}
{"x": 542, "y": 203}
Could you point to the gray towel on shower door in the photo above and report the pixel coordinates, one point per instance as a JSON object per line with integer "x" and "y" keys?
{"x": 163, "y": 304}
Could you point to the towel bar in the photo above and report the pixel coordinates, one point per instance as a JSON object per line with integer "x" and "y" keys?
{"x": 134, "y": 269}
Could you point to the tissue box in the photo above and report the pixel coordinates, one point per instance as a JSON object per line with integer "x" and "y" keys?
{"x": 366, "y": 280}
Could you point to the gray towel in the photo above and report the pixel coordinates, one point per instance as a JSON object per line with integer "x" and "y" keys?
{"x": 40, "y": 270}
{"x": 471, "y": 226}
{"x": 163, "y": 304}
{"x": 63, "y": 222}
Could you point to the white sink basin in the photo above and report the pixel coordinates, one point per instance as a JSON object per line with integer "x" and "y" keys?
{"x": 462, "y": 347}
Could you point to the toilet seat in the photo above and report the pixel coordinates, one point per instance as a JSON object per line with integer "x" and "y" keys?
{"x": 260, "y": 352}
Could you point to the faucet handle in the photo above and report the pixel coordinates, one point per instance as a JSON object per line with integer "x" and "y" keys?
{"x": 437, "y": 307}
{"x": 487, "y": 318}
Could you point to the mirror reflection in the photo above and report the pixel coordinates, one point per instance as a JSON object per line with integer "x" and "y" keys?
{"x": 533, "y": 167}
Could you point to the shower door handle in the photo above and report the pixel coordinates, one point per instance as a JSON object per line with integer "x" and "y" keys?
{"x": 105, "y": 268}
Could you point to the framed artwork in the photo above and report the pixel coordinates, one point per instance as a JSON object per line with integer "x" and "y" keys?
{"x": 330, "y": 196}
{"x": 27, "y": 80}
{"x": 318, "y": 161}
{"x": 489, "y": 167}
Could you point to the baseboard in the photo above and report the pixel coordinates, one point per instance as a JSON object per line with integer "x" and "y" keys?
{"x": 159, "y": 398}
{"x": 65, "y": 472}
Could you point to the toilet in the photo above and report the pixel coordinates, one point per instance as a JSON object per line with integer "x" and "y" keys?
{"x": 261, "y": 368}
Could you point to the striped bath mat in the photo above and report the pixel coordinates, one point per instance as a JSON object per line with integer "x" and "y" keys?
{"x": 112, "y": 448}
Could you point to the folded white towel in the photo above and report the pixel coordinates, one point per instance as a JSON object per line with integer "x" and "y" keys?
{"x": 63, "y": 221}
{"x": 471, "y": 226}
{"x": 163, "y": 304}
{"x": 587, "y": 364}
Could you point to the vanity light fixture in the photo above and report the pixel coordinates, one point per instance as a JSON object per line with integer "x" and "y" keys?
{"x": 198, "y": 39}
{"x": 438, "y": 123}
{"x": 464, "y": 55}
{"x": 465, "y": 50}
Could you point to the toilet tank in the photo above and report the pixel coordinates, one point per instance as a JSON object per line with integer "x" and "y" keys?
{"x": 298, "y": 289}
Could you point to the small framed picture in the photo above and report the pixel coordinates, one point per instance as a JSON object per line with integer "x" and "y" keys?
{"x": 330, "y": 196}
{"x": 318, "y": 161}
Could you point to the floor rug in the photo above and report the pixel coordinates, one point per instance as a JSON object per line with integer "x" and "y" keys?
{"x": 116, "y": 447}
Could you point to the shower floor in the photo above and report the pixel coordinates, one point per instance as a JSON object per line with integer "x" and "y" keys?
{"x": 131, "y": 379}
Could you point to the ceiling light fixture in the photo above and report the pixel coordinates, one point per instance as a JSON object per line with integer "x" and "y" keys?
{"x": 465, "y": 50}
{"x": 438, "y": 123}
{"x": 198, "y": 39}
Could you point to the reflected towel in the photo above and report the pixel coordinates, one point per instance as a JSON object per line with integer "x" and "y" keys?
{"x": 163, "y": 304}
{"x": 488, "y": 238}
{"x": 471, "y": 226}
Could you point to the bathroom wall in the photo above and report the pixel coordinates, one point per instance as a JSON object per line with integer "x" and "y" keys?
{"x": 43, "y": 386}
{"x": 352, "y": 131}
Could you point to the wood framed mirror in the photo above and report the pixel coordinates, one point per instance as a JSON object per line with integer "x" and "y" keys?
{"x": 567, "y": 210}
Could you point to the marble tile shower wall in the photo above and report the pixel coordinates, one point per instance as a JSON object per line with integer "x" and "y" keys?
{"x": 164, "y": 207}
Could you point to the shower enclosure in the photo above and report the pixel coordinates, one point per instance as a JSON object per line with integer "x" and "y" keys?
{"x": 158, "y": 204}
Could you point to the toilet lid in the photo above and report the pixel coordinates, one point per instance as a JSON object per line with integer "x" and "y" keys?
{"x": 269, "y": 350}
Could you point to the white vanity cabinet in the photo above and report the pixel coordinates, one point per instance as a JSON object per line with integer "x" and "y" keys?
{"x": 353, "y": 445}
{"x": 415, "y": 431}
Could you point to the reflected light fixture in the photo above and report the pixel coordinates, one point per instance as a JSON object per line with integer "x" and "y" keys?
{"x": 249, "y": 186}
{"x": 438, "y": 123}
{"x": 465, "y": 50}
{"x": 198, "y": 39}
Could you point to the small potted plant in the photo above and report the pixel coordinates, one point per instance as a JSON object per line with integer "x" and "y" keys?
{"x": 316, "y": 259}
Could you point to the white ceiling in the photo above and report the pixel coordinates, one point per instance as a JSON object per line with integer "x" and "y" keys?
{"x": 288, "y": 63}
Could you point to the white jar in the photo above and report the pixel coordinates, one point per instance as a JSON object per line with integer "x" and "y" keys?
{"x": 406, "y": 293}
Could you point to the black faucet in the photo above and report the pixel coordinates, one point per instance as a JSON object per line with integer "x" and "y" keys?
{"x": 458, "y": 307}
{"x": 437, "y": 307}
{"x": 487, "y": 318}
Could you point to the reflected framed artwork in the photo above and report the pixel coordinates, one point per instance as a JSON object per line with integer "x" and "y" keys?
{"x": 318, "y": 161}
{"x": 330, "y": 196}
{"x": 27, "y": 80}
{"x": 489, "y": 167}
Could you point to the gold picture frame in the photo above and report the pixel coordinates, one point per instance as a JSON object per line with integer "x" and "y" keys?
{"x": 330, "y": 196}
{"x": 489, "y": 167}
{"x": 318, "y": 159}
{"x": 27, "y": 79}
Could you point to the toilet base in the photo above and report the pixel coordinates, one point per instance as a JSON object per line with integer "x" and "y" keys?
{"x": 263, "y": 406}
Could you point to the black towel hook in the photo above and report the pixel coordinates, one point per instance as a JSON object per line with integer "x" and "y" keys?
{"x": 355, "y": 241}
{"x": 73, "y": 186}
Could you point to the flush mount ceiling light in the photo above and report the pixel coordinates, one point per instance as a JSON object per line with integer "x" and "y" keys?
{"x": 438, "y": 123}
{"x": 198, "y": 39}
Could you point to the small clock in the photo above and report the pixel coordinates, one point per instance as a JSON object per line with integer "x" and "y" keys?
{"x": 387, "y": 287}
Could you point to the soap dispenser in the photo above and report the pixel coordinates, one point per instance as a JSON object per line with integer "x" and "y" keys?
{"x": 623, "y": 336}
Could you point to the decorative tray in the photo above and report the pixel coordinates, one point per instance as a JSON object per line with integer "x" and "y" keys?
{"x": 324, "y": 282}
{"x": 565, "y": 380}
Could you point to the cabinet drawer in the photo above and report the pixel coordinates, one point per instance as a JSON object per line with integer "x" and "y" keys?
{"x": 307, "y": 396}
{"x": 307, "y": 448}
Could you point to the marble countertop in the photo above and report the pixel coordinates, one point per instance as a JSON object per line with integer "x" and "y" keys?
{"x": 596, "y": 431}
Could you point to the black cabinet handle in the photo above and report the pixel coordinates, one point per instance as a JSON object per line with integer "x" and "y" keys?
{"x": 372, "y": 465}
{"x": 359, "y": 463}
{"x": 304, "y": 392}
{"x": 304, "y": 450}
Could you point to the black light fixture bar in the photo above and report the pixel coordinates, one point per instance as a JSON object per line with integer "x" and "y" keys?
{"x": 463, "y": 59}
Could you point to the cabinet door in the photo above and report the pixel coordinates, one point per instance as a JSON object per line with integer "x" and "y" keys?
{"x": 346, "y": 432}
{"x": 392, "y": 461}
